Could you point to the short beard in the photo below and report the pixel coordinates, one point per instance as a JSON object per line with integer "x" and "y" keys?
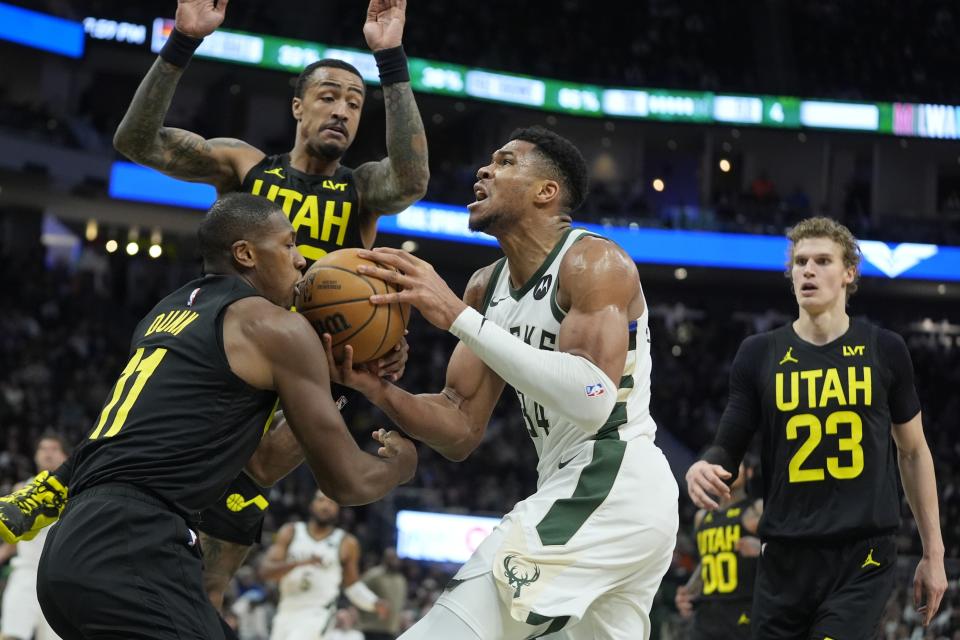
{"x": 323, "y": 523}
{"x": 326, "y": 151}
{"x": 484, "y": 223}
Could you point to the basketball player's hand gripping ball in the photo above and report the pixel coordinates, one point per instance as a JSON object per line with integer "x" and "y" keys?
{"x": 419, "y": 283}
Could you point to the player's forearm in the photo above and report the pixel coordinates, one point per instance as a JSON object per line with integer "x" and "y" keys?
{"x": 570, "y": 385}
{"x": 429, "y": 418}
{"x": 920, "y": 487}
{"x": 275, "y": 570}
{"x": 278, "y": 454}
{"x": 139, "y": 134}
{"x": 695, "y": 583}
{"x": 406, "y": 143}
{"x": 730, "y": 444}
{"x": 370, "y": 479}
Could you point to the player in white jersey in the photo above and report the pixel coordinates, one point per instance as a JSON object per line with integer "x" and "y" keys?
{"x": 312, "y": 561}
{"x": 562, "y": 318}
{"x": 21, "y": 616}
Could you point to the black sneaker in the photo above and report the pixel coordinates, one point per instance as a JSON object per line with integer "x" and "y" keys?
{"x": 25, "y": 512}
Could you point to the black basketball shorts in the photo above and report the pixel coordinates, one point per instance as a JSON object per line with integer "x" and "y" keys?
{"x": 823, "y": 591}
{"x": 120, "y": 564}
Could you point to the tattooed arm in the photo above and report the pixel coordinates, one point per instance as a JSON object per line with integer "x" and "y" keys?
{"x": 221, "y": 559}
{"x": 142, "y": 137}
{"x": 400, "y": 179}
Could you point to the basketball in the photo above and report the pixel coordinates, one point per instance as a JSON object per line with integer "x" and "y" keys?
{"x": 336, "y": 300}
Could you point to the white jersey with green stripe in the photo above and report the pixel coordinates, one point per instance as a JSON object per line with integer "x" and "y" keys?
{"x": 532, "y": 314}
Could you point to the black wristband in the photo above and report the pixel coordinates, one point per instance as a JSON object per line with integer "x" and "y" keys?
{"x": 179, "y": 48}
{"x": 392, "y": 64}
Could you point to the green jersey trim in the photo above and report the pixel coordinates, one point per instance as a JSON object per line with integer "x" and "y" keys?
{"x": 492, "y": 284}
{"x": 516, "y": 294}
{"x": 567, "y": 515}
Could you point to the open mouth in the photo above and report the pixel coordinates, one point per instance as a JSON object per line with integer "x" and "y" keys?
{"x": 479, "y": 192}
{"x": 808, "y": 286}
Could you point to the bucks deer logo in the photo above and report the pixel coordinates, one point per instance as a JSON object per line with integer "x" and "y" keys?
{"x": 518, "y": 581}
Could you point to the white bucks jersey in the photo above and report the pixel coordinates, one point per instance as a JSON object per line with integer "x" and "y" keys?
{"x": 314, "y": 585}
{"x": 531, "y": 313}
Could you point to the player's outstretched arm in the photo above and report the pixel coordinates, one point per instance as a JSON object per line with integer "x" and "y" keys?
{"x": 920, "y": 486}
{"x": 602, "y": 287}
{"x": 397, "y": 181}
{"x": 275, "y": 564}
{"x": 451, "y": 422}
{"x": 141, "y": 135}
{"x": 709, "y": 478}
{"x": 358, "y": 593}
{"x": 271, "y": 348}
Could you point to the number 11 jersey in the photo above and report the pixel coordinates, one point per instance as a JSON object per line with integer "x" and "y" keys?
{"x": 178, "y": 423}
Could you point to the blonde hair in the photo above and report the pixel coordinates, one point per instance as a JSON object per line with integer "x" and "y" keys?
{"x": 821, "y": 227}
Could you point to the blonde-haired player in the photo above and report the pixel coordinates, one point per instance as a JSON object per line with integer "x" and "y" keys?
{"x": 835, "y": 404}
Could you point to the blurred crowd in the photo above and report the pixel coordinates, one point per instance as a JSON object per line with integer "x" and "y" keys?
{"x": 888, "y": 50}
{"x": 64, "y": 337}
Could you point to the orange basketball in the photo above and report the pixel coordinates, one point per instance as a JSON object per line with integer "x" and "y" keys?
{"x": 336, "y": 300}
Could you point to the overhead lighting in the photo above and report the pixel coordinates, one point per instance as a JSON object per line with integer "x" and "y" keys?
{"x": 90, "y": 233}
{"x": 410, "y": 245}
{"x": 724, "y": 165}
{"x": 132, "y": 248}
{"x": 680, "y": 273}
{"x": 112, "y": 246}
{"x": 155, "y": 251}
{"x": 658, "y": 184}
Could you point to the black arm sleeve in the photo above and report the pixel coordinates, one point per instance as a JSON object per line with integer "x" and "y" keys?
{"x": 742, "y": 414}
{"x": 902, "y": 394}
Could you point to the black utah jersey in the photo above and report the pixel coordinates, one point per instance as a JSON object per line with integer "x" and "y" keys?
{"x": 324, "y": 210}
{"x": 178, "y": 423}
{"x": 824, "y": 413}
{"x": 726, "y": 574}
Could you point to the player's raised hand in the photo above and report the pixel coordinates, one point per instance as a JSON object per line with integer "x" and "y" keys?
{"x": 384, "y": 26}
{"x": 419, "y": 283}
{"x": 200, "y": 18}
{"x": 396, "y": 446}
{"x": 705, "y": 480}
{"x": 929, "y": 585}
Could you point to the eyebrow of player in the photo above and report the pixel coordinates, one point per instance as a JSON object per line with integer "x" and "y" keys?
{"x": 333, "y": 84}
{"x": 822, "y": 254}
{"x": 501, "y": 153}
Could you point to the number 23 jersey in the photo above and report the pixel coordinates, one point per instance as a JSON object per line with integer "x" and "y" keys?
{"x": 825, "y": 414}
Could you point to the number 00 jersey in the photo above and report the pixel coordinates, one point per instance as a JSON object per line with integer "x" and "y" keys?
{"x": 726, "y": 574}
{"x": 324, "y": 210}
{"x": 178, "y": 423}
{"x": 531, "y": 313}
{"x": 825, "y": 414}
